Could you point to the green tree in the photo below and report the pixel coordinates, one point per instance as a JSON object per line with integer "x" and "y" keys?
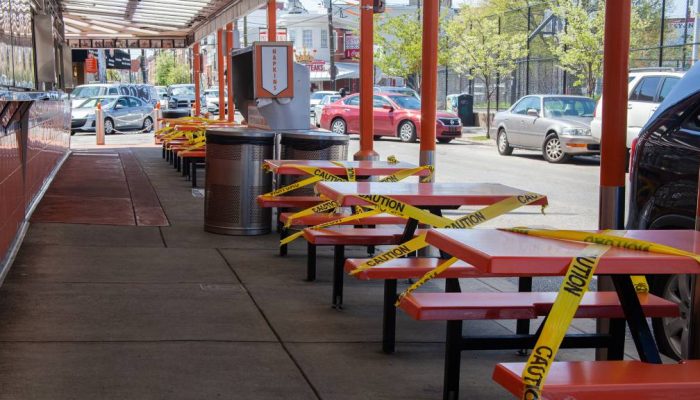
{"x": 113, "y": 76}
{"x": 579, "y": 48}
{"x": 179, "y": 74}
{"x": 164, "y": 65}
{"x": 479, "y": 51}
{"x": 399, "y": 41}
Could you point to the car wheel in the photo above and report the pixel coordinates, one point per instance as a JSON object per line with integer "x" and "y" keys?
{"x": 672, "y": 333}
{"x": 444, "y": 140}
{"x": 147, "y": 124}
{"x": 339, "y": 126}
{"x": 72, "y": 133}
{"x": 407, "y": 132}
{"x": 377, "y": 138}
{"x": 553, "y": 151}
{"x": 109, "y": 126}
{"x": 504, "y": 148}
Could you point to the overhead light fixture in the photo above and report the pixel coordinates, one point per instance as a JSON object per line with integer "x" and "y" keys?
{"x": 110, "y": 35}
{"x": 71, "y": 29}
{"x": 103, "y": 29}
{"x": 146, "y": 31}
{"x": 76, "y": 22}
{"x": 110, "y": 24}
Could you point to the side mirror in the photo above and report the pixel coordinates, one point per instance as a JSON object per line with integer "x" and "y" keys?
{"x": 387, "y": 107}
{"x": 118, "y": 106}
{"x": 533, "y": 113}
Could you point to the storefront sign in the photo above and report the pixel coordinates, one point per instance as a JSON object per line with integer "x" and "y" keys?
{"x": 317, "y": 66}
{"x": 281, "y": 34}
{"x": 273, "y": 70}
{"x": 91, "y": 64}
{"x": 352, "y": 46}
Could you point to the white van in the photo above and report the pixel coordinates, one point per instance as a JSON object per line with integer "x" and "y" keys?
{"x": 646, "y": 90}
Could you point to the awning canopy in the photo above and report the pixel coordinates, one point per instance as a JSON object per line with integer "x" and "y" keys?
{"x": 345, "y": 70}
{"x": 116, "y": 19}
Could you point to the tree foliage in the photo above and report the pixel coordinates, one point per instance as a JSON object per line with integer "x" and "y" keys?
{"x": 399, "y": 44}
{"x": 479, "y": 51}
{"x": 169, "y": 72}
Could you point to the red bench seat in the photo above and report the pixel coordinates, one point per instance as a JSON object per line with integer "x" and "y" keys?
{"x": 599, "y": 380}
{"x": 348, "y": 236}
{"x": 317, "y": 219}
{"x": 289, "y": 201}
{"x": 411, "y": 268}
{"x": 520, "y": 305}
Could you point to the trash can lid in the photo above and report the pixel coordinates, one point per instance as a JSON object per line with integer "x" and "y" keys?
{"x": 239, "y": 135}
{"x": 313, "y": 134}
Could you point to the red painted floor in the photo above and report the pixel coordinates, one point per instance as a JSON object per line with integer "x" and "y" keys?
{"x": 102, "y": 188}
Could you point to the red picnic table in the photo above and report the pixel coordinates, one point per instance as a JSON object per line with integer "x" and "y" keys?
{"x": 433, "y": 197}
{"x": 362, "y": 168}
{"x": 513, "y": 254}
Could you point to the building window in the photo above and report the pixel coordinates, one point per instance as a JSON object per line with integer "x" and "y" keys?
{"x": 293, "y": 36}
{"x": 308, "y": 39}
{"x": 324, "y": 38}
{"x": 335, "y": 42}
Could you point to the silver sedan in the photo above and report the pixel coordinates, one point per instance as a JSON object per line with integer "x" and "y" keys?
{"x": 120, "y": 113}
{"x": 559, "y": 126}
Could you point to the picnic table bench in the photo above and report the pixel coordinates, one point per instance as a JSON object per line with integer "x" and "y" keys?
{"x": 506, "y": 253}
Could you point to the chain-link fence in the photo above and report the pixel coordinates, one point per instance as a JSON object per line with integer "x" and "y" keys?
{"x": 668, "y": 41}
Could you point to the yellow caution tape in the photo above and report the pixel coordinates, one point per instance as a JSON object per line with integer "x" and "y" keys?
{"x": 317, "y": 174}
{"x": 293, "y": 186}
{"x": 392, "y": 160}
{"x": 425, "y": 278}
{"x": 332, "y": 205}
{"x": 353, "y": 217}
{"x": 576, "y": 281}
{"x": 468, "y": 221}
{"x": 350, "y": 175}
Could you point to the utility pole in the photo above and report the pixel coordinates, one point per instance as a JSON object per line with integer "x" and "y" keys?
{"x": 331, "y": 44}
{"x": 245, "y": 32}
{"x": 144, "y": 73}
{"x": 696, "y": 32}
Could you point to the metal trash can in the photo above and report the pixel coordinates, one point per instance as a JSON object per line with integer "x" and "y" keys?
{"x": 465, "y": 109}
{"x": 235, "y": 178}
{"x": 310, "y": 144}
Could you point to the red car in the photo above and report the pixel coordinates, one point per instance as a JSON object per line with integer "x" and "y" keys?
{"x": 394, "y": 115}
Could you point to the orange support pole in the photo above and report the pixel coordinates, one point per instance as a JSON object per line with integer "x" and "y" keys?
{"x": 613, "y": 139}
{"x": 220, "y": 70}
{"x": 611, "y": 208}
{"x": 271, "y": 20}
{"x": 428, "y": 108}
{"x": 366, "y": 82}
{"x": 197, "y": 69}
{"x": 229, "y": 71}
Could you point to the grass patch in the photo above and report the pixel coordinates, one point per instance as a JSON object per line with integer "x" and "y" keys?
{"x": 479, "y": 138}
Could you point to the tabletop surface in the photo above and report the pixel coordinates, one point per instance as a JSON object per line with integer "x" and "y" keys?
{"x": 421, "y": 194}
{"x": 364, "y": 168}
{"x": 508, "y": 253}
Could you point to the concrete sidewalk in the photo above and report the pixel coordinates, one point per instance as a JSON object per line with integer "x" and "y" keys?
{"x": 173, "y": 312}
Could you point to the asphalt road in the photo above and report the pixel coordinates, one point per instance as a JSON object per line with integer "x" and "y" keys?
{"x": 572, "y": 189}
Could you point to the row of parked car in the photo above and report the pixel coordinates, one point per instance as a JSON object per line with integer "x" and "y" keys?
{"x": 564, "y": 126}
{"x": 129, "y": 106}
{"x": 396, "y": 114}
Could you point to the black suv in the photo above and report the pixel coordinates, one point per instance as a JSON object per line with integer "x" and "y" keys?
{"x": 664, "y": 191}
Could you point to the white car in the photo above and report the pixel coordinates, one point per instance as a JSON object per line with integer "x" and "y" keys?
{"x": 316, "y": 98}
{"x": 646, "y": 90}
{"x": 318, "y": 108}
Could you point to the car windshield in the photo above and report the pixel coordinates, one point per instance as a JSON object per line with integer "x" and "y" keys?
{"x": 318, "y": 95}
{"x": 211, "y": 93}
{"x": 182, "y": 90}
{"x": 92, "y": 103}
{"x": 83, "y": 92}
{"x": 404, "y": 91}
{"x": 408, "y": 102}
{"x": 556, "y": 107}
{"x": 330, "y": 99}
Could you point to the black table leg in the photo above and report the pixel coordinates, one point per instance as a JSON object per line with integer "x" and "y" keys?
{"x": 310, "y": 262}
{"x": 523, "y": 325}
{"x": 641, "y": 334}
{"x": 194, "y": 174}
{"x": 284, "y": 232}
{"x": 338, "y": 273}
{"x": 616, "y": 350}
{"x": 389, "y": 317}
{"x": 453, "y": 358}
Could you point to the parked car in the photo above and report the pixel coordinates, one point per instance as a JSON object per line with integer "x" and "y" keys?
{"x": 318, "y": 108}
{"x": 120, "y": 113}
{"x": 665, "y": 158}
{"x": 559, "y": 126}
{"x": 395, "y": 115}
{"x": 316, "y": 98}
{"x": 396, "y": 90}
{"x": 162, "y": 96}
{"x": 211, "y": 97}
{"x": 181, "y": 96}
{"x": 145, "y": 92}
{"x": 646, "y": 89}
